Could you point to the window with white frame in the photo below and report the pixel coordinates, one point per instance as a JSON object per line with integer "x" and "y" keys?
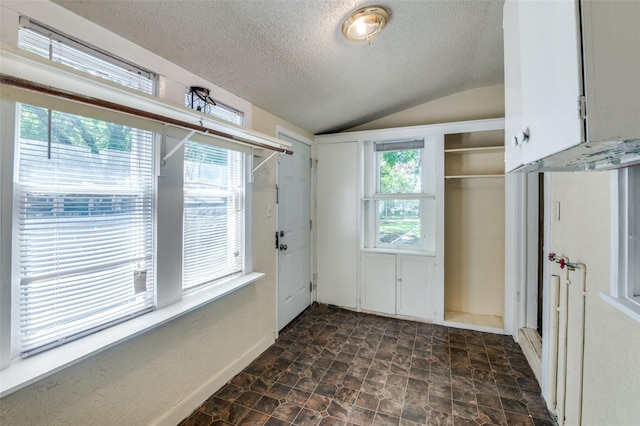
{"x": 213, "y": 215}
{"x": 399, "y": 195}
{"x": 83, "y": 221}
{"x": 633, "y": 245}
{"x": 625, "y": 245}
{"x": 83, "y": 217}
{"x": 51, "y": 44}
{"x": 213, "y": 205}
{"x": 215, "y": 108}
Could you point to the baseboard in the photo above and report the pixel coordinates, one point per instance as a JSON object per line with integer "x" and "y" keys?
{"x": 531, "y": 345}
{"x": 190, "y": 403}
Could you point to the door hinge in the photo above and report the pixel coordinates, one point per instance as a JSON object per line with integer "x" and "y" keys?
{"x": 310, "y": 225}
{"x": 277, "y": 193}
{"x": 582, "y": 107}
{"x": 310, "y": 286}
{"x": 310, "y": 163}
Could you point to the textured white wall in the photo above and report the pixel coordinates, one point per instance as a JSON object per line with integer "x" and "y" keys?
{"x": 612, "y": 340}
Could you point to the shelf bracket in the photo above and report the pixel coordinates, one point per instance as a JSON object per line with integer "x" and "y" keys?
{"x": 261, "y": 164}
{"x": 177, "y": 147}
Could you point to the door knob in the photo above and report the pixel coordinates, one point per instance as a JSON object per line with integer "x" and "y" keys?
{"x": 283, "y": 246}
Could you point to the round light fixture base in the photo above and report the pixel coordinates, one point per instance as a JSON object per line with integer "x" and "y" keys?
{"x": 365, "y": 23}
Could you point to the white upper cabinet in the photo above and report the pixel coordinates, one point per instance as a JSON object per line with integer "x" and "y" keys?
{"x": 572, "y": 84}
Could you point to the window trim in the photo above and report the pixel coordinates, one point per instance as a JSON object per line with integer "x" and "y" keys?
{"x": 618, "y": 295}
{"x": 373, "y": 196}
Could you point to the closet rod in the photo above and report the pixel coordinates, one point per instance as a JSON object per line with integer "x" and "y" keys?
{"x": 76, "y": 97}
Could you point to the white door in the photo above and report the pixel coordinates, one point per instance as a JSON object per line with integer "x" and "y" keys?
{"x": 337, "y": 223}
{"x": 294, "y": 235}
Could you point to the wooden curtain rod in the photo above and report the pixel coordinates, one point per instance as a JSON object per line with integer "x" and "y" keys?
{"x": 76, "y": 97}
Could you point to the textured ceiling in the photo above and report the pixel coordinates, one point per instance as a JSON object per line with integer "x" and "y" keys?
{"x": 289, "y": 57}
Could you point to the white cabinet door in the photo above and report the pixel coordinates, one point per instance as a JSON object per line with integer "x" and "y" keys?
{"x": 551, "y": 76}
{"x": 543, "y": 79}
{"x": 416, "y": 280}
{"x": 512, "y": 87}
{"x": 337, "y": 223}
{"x": 378, "y": 279}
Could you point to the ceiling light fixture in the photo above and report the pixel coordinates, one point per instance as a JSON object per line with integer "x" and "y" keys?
{"x": 365, "y": 23}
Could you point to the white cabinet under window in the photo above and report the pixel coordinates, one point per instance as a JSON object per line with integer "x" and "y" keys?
{"x": 399, "y": 285}
{"x": 571, "y": 84}
{"x": 417, "y": 293}
{"x": 378, "y": 278}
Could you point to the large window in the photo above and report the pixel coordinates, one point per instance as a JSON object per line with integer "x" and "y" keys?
{"x": 399, "y": 200}
{"x": 213, "y": 231}
{"x": 83, "y": 217}
{"x": 84, "y": 226}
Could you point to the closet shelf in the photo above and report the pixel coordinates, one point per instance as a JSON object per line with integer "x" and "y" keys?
{"x": 474, "y": 176}
{"x": 496, "y": 148}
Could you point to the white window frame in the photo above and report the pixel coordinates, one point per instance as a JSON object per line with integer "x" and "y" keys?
{"x": 373, "y": 197}
{"x": 235, "y": 170}
{"x": 16, "y": 373}
{"x": 218, "y": 109}
{"x": 625, "y": 214}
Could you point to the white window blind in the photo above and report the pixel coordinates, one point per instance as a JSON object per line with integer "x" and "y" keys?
{"x": 50, "y": 44}
{"x": 220, "y": 110}
{"x": 213, "y": 218}
{"x": 84, "y": 218}
{"x": 84, "y": 225}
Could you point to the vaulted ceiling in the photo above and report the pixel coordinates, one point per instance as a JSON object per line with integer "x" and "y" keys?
{"x": 289, "y": 56}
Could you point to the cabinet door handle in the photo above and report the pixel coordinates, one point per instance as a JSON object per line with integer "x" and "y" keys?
{"x": 524, "y": 135}
{"x": 520, "y": 138}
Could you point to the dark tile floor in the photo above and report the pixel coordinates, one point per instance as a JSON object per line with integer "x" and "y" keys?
{"x": 336, "y": 367}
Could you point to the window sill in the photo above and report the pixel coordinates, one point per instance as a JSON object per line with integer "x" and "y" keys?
{"x": 627, "y": 307}
{"x": 23, "y": 372}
